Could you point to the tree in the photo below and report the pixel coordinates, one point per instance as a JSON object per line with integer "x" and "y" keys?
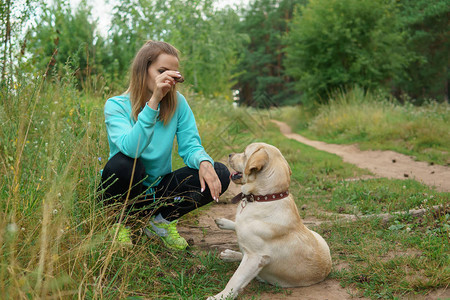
{"x": 208, "y": 42}
{"x": 427, "y": 26}
{"x": 14, "y": 16}
{"x": 133, "y": 23}
{"x": 335, "y": 44}
{"x": 62, "y": 36}
{"x": 262, "y": 80}
{"x": 204, "y": 36}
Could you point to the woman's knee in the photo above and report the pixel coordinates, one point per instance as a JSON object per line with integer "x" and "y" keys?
{"x": 118, "y": 173}
{"x": 224, "y": 175}
{"x": 122, "y": 167}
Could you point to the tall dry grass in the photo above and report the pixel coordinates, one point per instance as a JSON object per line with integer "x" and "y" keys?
{"x": 55, "y": 237}
{"x": 48, "y": 138}
{"x": 375, "y": 121}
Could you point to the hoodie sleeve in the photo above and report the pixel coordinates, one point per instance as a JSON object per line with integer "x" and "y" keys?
{"x": 131, "y": 138}
{"x": 189, "y": 144}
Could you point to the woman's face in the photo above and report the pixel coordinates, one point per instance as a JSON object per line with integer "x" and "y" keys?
{"x": 164, "y": 62}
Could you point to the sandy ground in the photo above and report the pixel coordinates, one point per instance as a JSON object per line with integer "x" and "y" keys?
{"x": 206, "y": 236}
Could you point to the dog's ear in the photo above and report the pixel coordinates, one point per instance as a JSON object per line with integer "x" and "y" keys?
{"x": 256, "y": 161}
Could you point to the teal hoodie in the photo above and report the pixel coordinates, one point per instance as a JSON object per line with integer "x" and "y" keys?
{"x": 152, "y": 141}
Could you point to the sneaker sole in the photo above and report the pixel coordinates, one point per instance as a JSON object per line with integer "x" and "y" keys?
{"x": 150, "y": 234}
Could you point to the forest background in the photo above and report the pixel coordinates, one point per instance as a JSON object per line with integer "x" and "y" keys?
{"x": 288, "y": 51}
{"x": 372, "y": 72}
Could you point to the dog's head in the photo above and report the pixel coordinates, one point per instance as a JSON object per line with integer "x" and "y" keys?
{"x": 261, "y": 168}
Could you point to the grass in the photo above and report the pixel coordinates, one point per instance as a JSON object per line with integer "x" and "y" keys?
{"x": 376, "y": 122}
{"x": 391, "y": 261}
{"x": 54, "y": 235}
{"x": 378, "y": 196}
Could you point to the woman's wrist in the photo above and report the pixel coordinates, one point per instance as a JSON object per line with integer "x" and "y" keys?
{"x": 206, "y": 163}
{"x": 153, "y": 103}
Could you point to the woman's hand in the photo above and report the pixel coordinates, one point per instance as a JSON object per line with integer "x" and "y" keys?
{"x": 208, "y": 175}
{"x": 163, "y": 84}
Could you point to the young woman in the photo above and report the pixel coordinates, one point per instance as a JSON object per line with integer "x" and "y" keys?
{"x": 141, "y": 126}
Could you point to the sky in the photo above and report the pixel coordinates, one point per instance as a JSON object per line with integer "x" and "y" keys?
{"x": 101, "y": 10}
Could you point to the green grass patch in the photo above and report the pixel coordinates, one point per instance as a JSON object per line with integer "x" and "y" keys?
{"x": 389, "y": 261}
{"x": 382, "y": 196}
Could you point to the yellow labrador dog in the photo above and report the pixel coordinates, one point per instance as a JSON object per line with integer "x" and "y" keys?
{"x": 275, "y": 245}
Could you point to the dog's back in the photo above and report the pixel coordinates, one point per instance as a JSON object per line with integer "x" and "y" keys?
{"x": 298, "y": 256}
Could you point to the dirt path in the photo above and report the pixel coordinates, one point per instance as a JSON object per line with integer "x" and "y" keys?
{"x": 387, "y": 164}
{"x": 206, "y": 236}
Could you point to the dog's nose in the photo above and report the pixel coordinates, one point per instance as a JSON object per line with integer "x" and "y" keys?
{"x": 230, "y": 155}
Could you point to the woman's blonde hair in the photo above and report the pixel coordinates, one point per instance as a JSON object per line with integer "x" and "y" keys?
{"x": 139, "y": 94}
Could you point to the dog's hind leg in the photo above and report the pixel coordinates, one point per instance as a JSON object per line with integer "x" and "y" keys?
{"x": 230, "y": 255}
{"x": 225, "y": 224}
{"x": 249, "y": 268}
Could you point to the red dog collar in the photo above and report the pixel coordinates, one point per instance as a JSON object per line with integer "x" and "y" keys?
{"x": 259, "y": 198}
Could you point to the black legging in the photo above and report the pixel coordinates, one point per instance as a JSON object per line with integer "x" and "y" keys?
{"x": 176, "y": 194}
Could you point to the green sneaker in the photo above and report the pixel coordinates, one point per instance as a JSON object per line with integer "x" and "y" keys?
{"x": 168, "y": 233}
{"x": 123, "y": 237}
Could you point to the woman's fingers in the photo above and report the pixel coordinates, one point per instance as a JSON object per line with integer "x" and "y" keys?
{"x": 164, "y": 82}
{"x": 172, "y": 76}
{"x": 209, "y": 175}
{"x": 214, "y": 187}
{"x": 202, "y": 184}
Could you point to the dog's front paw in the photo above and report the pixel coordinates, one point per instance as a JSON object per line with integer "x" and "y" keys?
{"x": 225, "y": 224}
{"x": 230, "y": 255}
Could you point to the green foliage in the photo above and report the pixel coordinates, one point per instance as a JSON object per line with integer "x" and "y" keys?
{"x": 133, "y": 23}
{"x": 426, "y": 24}
{"x": 63, "y": 36}
{"x": 14, "y": 18}
{"x": 262, "y": 80}
{"x": 205, "y": 37}
{"x": 208, "y": 43}
{"x": 334, "y": 44}
{"x": 271, "y": 57}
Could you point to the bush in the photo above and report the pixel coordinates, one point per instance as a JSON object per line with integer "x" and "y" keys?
{"x": 335, "y": 44}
